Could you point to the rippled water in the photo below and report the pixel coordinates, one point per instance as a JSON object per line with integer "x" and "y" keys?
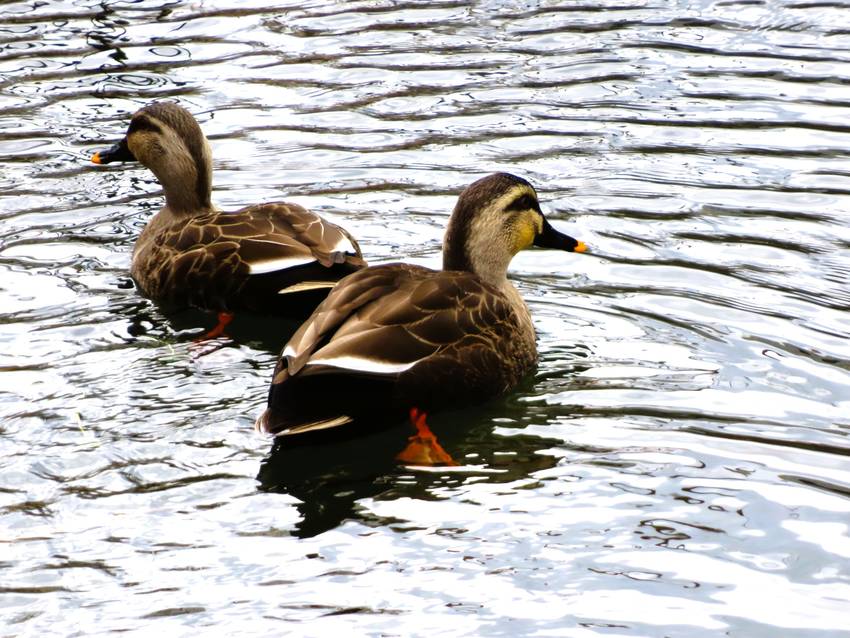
{"x": 677, "y": 467}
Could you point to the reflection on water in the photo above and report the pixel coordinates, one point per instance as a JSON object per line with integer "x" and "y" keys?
{"x": 330, "y": 479}
{"x": 678, "y": 465}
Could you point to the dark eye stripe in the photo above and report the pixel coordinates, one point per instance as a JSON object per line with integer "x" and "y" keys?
{"x": 143, "y": 123}
{"x": 523, "y": 202}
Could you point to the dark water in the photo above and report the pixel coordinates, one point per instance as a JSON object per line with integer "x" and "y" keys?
{"x": 677, "y": 467}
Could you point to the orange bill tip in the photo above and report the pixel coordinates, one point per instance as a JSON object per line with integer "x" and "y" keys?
{"x": 96, "y": 158}
{"x": 581, "y": 247}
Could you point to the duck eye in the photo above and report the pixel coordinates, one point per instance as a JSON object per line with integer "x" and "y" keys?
{"x": 523, "y": 202}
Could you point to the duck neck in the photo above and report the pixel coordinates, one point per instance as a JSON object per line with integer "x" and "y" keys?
{"x": 187, "y": 182}
{"x": 486, "y": 257}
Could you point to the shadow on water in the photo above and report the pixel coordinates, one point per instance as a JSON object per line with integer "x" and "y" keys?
{"x": 331, "y": 477}
{"x": 259, "y": 332}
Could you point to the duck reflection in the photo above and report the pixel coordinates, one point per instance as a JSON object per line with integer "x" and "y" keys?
{"x": 260, "y": 332}
{"x": 332, "y": 478}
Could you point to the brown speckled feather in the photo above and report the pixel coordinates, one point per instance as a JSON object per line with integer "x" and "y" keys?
{"x": 207, "y": 260}
{"x": 395, "y": 336}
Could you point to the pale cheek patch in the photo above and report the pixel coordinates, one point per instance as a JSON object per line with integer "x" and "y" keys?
{"x": 526, "y": 237}
{"x": 526, "y": 231}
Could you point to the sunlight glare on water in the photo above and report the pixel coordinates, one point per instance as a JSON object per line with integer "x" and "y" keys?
{"x": 676, "y": 467}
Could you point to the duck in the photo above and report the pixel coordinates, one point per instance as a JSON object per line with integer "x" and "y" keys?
{"x": 273, "y": 258}
{"x": 399, "y": 340}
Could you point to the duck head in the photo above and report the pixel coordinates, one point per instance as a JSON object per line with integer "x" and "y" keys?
{"x": 168, "y": 140}
{"x": 495, "y": 218}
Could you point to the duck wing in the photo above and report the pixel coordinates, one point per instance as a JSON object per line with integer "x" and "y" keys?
{"x": 278, "y": 236}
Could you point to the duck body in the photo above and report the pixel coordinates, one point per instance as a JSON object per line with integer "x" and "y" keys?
{"x": 276, "y": 258}
{"x": 273, "y": 258}
{"x": 394, "y": 337}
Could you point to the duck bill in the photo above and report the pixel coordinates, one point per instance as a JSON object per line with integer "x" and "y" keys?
{"x": 118, "y": 153}
{"x": 551, "y": 238}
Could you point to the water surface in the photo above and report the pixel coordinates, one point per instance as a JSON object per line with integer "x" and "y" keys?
{"x": 676, "y": 467}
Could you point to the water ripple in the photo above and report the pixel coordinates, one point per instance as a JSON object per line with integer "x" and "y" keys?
{"x": 694, "y": 383}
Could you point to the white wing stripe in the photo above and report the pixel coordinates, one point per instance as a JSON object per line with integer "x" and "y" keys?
{"x": 306, "y": 285}
{"x": 364, "y": 365}
{"x": 262, "y": 267}
{"x": 318, "y": 425}
{"x": 344, "y": 245}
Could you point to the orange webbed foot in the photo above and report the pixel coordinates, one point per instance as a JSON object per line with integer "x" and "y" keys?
{"x": 224, "y": 318}
{"x": 423, "y": 447}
